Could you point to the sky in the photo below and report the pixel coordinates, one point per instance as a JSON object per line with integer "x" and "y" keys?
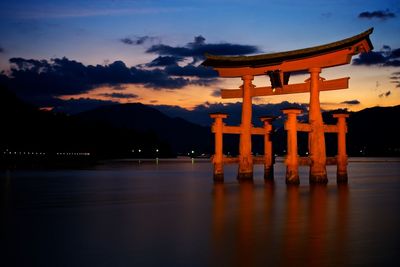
{"x": 74, "y": 55}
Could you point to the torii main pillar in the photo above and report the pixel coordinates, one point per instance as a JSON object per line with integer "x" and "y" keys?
{"x": 316, "y": 137}
{"x": 245, "y": 157}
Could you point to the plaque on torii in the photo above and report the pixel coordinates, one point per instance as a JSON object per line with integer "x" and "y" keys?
{"x": 278, "y": 66}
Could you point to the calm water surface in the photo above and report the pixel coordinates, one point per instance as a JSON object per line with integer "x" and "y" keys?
{"x": 122, "y": 213}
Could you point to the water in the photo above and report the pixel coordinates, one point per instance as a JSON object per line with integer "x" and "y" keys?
{"x": 122, "y": 213}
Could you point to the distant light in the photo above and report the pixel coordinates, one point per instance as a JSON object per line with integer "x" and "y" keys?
{"x": 140, "y": 150}
{"x": 192, "y": 151}
{"x": 156, "y": 150}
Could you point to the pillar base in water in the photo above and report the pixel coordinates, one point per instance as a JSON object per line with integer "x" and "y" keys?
{"x": 218, "y": 178}
{"x": 318, "y": 179}
{"x": 245, "y": 176}
{"x": 341, "y": 178}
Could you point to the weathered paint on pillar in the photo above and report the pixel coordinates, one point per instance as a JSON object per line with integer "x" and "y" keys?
{"x": 218, "y": 157}
{"x": 292, "y": 158}
{"x": 316, "y": 137}
{"x": 245, "y": 157}
{"x": 341, "y": 158}
{"x": 268, "y": 156}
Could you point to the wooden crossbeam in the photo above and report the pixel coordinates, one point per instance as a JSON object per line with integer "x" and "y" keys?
{"x": 306, "y": 127}
{"x": 324, "y": 85}
{"x": 301, "y": 127}
{"x": 237, "y": 130}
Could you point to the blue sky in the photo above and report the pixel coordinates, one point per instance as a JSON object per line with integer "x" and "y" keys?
{"x": 90, "y": 32}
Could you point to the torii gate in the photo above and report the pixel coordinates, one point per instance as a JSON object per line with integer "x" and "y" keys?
{"x": 278, "y": 67}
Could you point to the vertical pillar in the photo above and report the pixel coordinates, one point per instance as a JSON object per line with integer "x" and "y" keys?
{"x": 292, "y": 158}
{"x": 268, "y": 156}
{"x": 245, "y": 157}
{"x": 218, "y": 157}
{"x": 341, "y": 158}
{"x": 316, "y": 137}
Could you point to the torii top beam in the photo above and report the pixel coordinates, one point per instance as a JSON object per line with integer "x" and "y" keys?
{"x": 323, "y": 56}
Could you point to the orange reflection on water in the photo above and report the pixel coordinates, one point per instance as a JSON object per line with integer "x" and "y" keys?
{"x": 296, "y": 226}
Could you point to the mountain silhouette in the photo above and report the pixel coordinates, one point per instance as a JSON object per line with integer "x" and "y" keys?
{"x": 119, "y": 131}
{"x": 183, "y": 136}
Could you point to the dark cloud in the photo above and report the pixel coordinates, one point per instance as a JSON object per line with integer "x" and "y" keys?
{"x": 63, "y": 76}
{"x": 379, "y": 14}
{"x": 386, "y": 94}
{"x": 162, "y": 61}
{"x": 199, "y": 47}
{"x": 370, "y": 58}
{"x": 216, "y": 93}
{"x": 395, "y": 78}
{"x": 119, "y": 87}
{"x": 119, "y": 95}
{"x": 138, "y": 40}
{"x": 1, "y": 50}
{"x": 351, "y": 102}
{"x": 191, "y": 70}
{"x": 395, "y": 53}
{"x": 385, "y": 57}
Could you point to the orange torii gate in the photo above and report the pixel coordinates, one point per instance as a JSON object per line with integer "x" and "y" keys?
{"x": 278, "y": 67}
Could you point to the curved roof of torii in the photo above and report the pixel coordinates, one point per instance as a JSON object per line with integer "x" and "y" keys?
{"x": 277, "y": 58}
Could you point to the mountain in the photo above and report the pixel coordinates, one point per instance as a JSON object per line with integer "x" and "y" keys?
{"x": 121, "y": 130}
{"x": 183, "y": 136}
{"x": 27, "y": 129}
{"x": 374, "y": 132}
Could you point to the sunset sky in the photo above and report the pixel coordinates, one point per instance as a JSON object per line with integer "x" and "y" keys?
{"x": 68, "y": 53}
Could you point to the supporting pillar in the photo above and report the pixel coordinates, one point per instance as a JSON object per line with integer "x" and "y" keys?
{"x": 292, "y": 158}
{"x": 316, "y": 137}
{"x": 341, "y": 158}
{"x": 268, "y": 156}
{"x": 245, "y": 171}
{"x": 218, "y": 157}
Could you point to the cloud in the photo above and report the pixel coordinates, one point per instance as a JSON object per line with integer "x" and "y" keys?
{"x": 42, "y": 82}
{"x": 119, "y": 87}
{"x": 386, "y": 57}
{"x": 378, "y": 14}
{"x": 162, "y": 61}
{"x": 216, "y": 93}
{"x": 191, "y": 70}
{"x": 1, "y": 49}
{"x": 61, "y": 76}
{"x": 139, "y": 40}
{"x": 395, "y": 78}
{"x": 199, "y": 47}
{"x": 386, "y": 94}
{"x": 351, "y": 102}
{"x": 119, "y": 95}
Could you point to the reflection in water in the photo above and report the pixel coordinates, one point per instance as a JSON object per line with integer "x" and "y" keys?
{"x": 317, "y": 227}
{"x": 292, "y": 224}
{"x": 304, "y": 226}
{"x": 124, "y": 214}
